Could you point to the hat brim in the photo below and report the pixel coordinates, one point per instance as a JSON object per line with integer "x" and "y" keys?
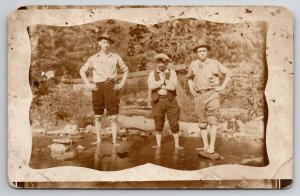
{"x": 201, "y": 46}
{"x": 106, "y": 38}
{"x": 160, "y": 58}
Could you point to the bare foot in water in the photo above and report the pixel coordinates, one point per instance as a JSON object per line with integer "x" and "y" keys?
{"x": 210, "y": 151}
{"x": 179, "y": 147}
{"x": 155, "y": 147}
{"x": 203, "y": 148}
{"x": 96, "y": 142}
{"x": 116, "y": 144}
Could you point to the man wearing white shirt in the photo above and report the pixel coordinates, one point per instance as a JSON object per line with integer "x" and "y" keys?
{"x": 105, "y": 90}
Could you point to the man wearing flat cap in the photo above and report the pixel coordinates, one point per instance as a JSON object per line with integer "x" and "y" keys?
{"x": 203, "y": 80}
{"x": 162, "y": 82}
{"x": 105, "y": 89}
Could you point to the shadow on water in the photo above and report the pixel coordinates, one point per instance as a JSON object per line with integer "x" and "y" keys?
{"x": 138, "y": 151}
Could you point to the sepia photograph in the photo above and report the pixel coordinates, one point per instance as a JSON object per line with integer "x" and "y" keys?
{"x": 172, "y": 93}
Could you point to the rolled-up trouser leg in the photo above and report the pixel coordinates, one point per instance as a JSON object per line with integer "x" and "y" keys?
{"x": 158, "y": 110}
{"x": 173, "y": 114}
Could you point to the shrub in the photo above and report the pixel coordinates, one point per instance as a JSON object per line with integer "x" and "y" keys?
{"x": 60, "y": 107}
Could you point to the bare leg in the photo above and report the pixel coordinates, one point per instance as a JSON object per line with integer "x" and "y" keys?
{"x": 97, "y": 129}
{"x": 176, "y": 140}
{"x": 114, "y": 130}
{"x": 213, "y": 135}
{"x": 158, "y": 140}
{"x": 204, "y": 139}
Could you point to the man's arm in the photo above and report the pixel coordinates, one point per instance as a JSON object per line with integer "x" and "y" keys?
{"x": 122, "y": 83}
{"x": 228, "y": 75}
{"x": 125, "y": 71}
{"x": 171, "y": 84}
{"x": 152, "y": 83}
{"x": 190, "y": 77}
{"x": 82, "y": 73}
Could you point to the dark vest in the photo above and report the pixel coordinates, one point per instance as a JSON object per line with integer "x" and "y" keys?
{"x": 154, "y": 93}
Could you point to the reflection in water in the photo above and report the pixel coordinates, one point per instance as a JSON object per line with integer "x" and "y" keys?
{"x": 175, "y": 156}
{"x": 97, "y": 156}
{"x": 157, "y": 155}
{"x": 138, "y": 151}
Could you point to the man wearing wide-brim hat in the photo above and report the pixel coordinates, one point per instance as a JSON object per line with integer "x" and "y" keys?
{"x": 163, "y": 82}
{"x": 204, "y": 83}
{"x": 105, "y": 89}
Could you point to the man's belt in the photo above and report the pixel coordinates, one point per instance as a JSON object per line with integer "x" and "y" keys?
{"x": 162, "y": 96}
{"x": 203, "y": 91}
{"x": 108, "y": 80}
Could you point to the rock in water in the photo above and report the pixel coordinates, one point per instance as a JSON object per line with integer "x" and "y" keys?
{"x": 80, "y": 148}
{"x": 253, "y": 160}
{"x": 143, "y": 135}
{"x": 58, "y": 148}
{"x": 63, "y": 141}
{"x": 63, "y": 156}
{"x": 214, "y": 156}
{"x": 123, "y": 155}
{"x": 89, "y": 127}
{"x": 70, "y": 129}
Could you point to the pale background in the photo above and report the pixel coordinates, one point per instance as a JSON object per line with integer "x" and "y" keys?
{"x": 8, "y": 7}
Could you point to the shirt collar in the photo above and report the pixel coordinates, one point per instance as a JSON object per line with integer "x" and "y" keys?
{"x": 166, "y": 70}
{"x": 206, "y": 60}
{"x": 100, "y": 53}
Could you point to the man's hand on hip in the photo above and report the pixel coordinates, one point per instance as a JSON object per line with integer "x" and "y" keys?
{"x": 92, "y": 87}
{"x": 118, "y": 86}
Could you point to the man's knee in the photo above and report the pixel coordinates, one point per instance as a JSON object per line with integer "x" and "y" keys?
{"x": 113, "y": 118}
{"x": 98, "y": 117}
{"x": 202, "y": 125}
{"x": 174, "y": 126}
{"x": 213, "y": 120}
{"x": 159, "y": 123}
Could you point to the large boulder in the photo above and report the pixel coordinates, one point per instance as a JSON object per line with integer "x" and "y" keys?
{"x": 70, "y": 129}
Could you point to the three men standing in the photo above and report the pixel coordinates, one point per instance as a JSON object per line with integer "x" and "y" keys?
{"x": 203, "y": 80}
{"x": 105, "y": 90}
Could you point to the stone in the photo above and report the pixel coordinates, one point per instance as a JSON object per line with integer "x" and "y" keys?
{"x": 240, "y": 126}
{"x": 70, "y": 129}
{"x": 193, "y": 128}
{"x": 185, "y": 134}
{"x": 214, "y": 156}
{"x": 89, "y": 127}
{"x": 229, "y": 136}
{"x": 62, "y": 141}
{"x": 194, "y": 134}
{"x": 124, "y": 139}
{"x": 122, "y": 132}
{"x": 123, "y": 155}
{"x": 253, "y": 160}
{"x": 80, "y": 148}
{"x": 63, "y": 156}
{"x": 76, "y": 136}
{"x": 143, "y": 134}
{"x": 134, "y": 132}
{"x": 58, "y": 148}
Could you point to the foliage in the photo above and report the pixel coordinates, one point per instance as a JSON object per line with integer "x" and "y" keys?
{"x": 60, "y": 107}
{"x": 240, "y": 46}
{"x": 66, "y": 49}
